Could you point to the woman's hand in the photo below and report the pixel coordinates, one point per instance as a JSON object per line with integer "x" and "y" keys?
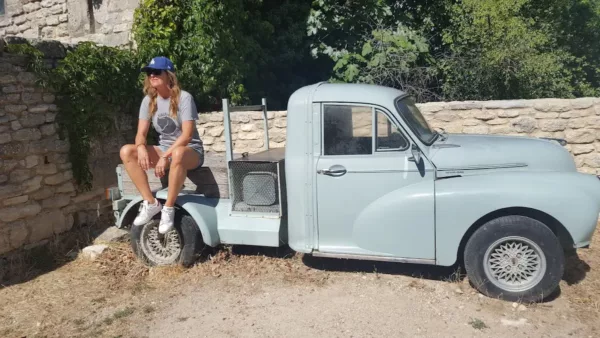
{"x": 143, "y": 158}
{"x": 161, "y": 165}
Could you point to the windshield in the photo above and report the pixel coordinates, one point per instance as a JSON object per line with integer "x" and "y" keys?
{"x": 415, "y": 120}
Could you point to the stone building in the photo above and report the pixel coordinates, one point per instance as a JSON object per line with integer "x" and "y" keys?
{"x": 106, "y": 22}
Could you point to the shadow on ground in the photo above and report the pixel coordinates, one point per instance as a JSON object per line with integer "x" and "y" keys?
{"x": 28, "y": 264}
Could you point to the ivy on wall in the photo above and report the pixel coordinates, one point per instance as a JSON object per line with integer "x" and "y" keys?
{"x": 94, "y": 86}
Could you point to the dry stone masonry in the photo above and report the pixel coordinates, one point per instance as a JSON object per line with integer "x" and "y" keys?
{"x": 575, "y": 120}
{"x": 107, "y": 22}
{"x": 38, "y": 198}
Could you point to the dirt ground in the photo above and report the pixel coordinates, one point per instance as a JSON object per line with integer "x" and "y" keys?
{"x": 242, "y": 292}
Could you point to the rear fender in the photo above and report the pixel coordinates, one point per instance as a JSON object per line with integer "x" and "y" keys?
{"x": 201, "y": 209}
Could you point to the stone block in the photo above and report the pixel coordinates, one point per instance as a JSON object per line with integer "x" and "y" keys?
{"x": 582, "y": 103}
{"x": 577, "y": 113}
{"x": 31, "y": 161}
{"x": 87, "y": 196}
{"x": 9, "y": 98}
{"x": 575, "y": 123}
{"x": 592, "y": 160}
{"x": 11, "y": 89}
{"x": 280, "y": 123}
{"x": 93, "y": 251}
{"x": 53, "y": 20}
{"x": 63, "y": 18}
{"x": 5, "y": 138}
{"x": 556, "y": 105}
{"x": 32, "y": 185}
{"x": 18, "y": 234}
{"x": 48, "y": 98}
{"x": 10, "y": 190}
{"x": 59, "y": 178}
{"x": 7, "y": 165}
{"x": 15, "y": 109}
{"x": 42, "y": 194}
{"x": 57, "y": 201}
{"x": 13, "y": 149}
{"x": 484, "y": 115}
{"x": 3, "y": 178}
{"x": 46, "y": 169}
{"x": 50, "y": 117}
{"x": 476, "y": 130}
{"x": 31, "y": 7}
{"x": 32, "y": 120}
{"x": 26, "y": 78}
{"x": 506, "y": 104}
{"x": 31, "y": 98}
{"x": 19, "y": 175}
{"x": 496, "y": 122}
{"x": 501, "y": 130}
{"x": 65, "y": 188}
{"x": 19, "y": 212}
{"x": 552, "y": 125}
{"x": 48, "y": 129}
{"x": 7, "y": 79}
{"x": 15, "y": 200}
{"x": 41, "y": 108}
{"x": 579, "y": 149}
{"x": 470, "y": 122}
{"x": 31, "y": 134}
{"x": 216, "y": 131}
{"x": 15, "y": 125}
{"x": 524, "y": 124}
{"x": 580, "y": 136}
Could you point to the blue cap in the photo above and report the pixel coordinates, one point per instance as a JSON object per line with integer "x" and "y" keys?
{"x": 160, "y": 62}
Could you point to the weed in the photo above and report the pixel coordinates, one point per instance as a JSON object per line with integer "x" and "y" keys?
{"x": 149, "y": 309}
{"x": 478, "y": 324}
{"x": 124, "y": 313}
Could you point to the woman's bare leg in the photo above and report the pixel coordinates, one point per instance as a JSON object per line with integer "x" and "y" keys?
{"x": 182, "y": 160}
{"x": 137, "y": 174}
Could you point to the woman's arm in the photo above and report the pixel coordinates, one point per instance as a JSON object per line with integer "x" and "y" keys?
{"x": 140, "y": 143}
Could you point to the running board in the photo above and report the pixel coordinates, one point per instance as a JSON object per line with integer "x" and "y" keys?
{"x": 374, "y": 258}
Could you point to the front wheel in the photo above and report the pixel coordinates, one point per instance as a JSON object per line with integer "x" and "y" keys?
{"x": 179, "y": 246}
{"x": 514, "y": 258}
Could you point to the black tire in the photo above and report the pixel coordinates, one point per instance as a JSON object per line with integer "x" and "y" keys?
{"x": 185, "y": 233}
{"x": 524, "y": 229}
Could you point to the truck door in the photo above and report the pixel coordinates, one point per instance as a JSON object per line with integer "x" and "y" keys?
{"x": 372, "y": 199}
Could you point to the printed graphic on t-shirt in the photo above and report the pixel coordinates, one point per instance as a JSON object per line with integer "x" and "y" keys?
{"x": 166, "y": 125}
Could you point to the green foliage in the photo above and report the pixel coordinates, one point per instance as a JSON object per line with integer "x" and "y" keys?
{"x": 390, "y": 58}
{"x": 499, "y": 53}
{"x": 93, "y": 85}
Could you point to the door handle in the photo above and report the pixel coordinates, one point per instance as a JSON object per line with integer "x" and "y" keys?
{"x": 338, "y": 171}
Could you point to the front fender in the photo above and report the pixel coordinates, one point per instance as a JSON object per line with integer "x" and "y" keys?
{"x": 571, "y": 198}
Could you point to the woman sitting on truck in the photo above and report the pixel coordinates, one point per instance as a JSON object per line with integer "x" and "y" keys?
{"x": 172, "y": 112}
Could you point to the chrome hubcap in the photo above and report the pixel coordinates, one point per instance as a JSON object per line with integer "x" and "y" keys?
{"x": 161, "y": 249}
{"x": 514, "y": 263}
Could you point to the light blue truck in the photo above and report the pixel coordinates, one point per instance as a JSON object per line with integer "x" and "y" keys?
{"x": 363, "y": 176}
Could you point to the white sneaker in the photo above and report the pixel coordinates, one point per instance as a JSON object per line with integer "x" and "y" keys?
{"x": 147, "y": 212}
{"x": 167, "y": 219}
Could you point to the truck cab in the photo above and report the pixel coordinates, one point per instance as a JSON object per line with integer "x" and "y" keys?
{"x": 364, "y": 176}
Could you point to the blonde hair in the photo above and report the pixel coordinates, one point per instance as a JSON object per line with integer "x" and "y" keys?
{"x": 153, "y": 93}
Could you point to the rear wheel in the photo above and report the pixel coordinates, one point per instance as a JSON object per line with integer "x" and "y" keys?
{"x": 181, "y": 245}
{"x": 514, "y": 258}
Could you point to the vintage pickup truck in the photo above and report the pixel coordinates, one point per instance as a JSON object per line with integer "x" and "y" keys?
{"x": 363, "y": 176}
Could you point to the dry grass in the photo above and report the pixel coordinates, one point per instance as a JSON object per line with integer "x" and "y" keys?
{"x": 103, "y": 297}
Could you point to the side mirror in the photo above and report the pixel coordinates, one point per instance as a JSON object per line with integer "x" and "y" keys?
{"x": 416, "y": 154}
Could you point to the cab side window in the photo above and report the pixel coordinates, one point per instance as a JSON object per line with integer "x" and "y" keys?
{"x": 389, "y": 136}
{"x": 347, "y": 130}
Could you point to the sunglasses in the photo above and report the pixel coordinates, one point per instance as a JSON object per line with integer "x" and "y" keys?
{"x": 155, "y": 72}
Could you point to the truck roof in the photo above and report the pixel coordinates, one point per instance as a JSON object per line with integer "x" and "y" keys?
{"x": 353, "y": 92}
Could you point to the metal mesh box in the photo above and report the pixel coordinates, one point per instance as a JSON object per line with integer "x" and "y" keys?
{"x": 256, "y": 184}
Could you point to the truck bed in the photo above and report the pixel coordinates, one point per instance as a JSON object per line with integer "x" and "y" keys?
{"x": 209, "y": 180}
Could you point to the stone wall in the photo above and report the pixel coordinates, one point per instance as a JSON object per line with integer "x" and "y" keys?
{"x": 107, "y": 22}
{"x": 38, "y": 197}
{"x": 576, "y": 120}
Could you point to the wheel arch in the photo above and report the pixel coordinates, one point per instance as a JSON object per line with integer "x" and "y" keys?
{"x": 552, "y": 223}
{"x": 203, "y": 217}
